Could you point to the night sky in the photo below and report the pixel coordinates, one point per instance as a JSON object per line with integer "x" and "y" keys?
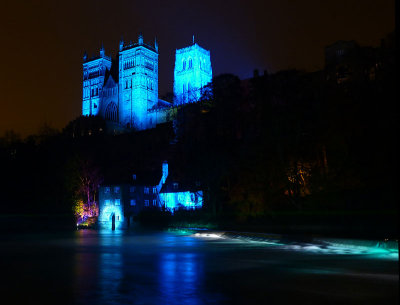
{"x": 42, "y": 43}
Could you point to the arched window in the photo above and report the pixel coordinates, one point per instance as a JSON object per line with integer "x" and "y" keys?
{"x": 112, "y": 112}
{"x": 190, "y": 63}
{"x": 184, "y": 65}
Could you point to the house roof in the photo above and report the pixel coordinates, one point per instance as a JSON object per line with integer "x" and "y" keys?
{"x": 147, "y": 178}
{"x": 181, "y": 186}
{"x": 144, "y": 177}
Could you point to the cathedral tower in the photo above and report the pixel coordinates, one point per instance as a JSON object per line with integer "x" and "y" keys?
{"x": 192, "y": 72}
{"x": 138, "y": 84}
{"x": 94, "y": 70}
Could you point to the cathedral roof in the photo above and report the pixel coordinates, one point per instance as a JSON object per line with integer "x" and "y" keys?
{"x": 135, "y": 45}
{"x": 113, "y": 72}
{"x": 109, "y": 80}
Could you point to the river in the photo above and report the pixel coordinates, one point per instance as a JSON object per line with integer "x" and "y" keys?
{"x": 155, "y": 267}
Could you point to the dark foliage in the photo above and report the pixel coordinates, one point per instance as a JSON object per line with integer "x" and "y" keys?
{"x": 291, "y": 147}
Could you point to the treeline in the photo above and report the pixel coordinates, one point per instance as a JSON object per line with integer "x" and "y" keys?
{"x": 295, "y": 149}
{"x": 46, "y": 173}
{"x": 286, "y": 149}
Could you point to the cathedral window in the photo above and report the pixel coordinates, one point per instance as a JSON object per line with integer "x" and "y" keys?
{"x": 184, "y": 65}
{"x": 190, "y": 63}
{"x": 112, "y": 112}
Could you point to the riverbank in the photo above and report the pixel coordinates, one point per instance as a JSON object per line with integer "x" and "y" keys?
{"x": 361, "y": 244}
{"x": 369, "y": 225}
{"x": 15, "y": 223}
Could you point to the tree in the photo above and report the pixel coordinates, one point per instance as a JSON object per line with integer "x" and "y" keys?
{"x": 90, "y": 179}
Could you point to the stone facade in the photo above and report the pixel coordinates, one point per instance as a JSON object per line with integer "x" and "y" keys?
{"x": 129, "y": 97}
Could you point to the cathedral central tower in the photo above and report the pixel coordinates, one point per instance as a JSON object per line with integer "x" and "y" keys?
{"x": 138, "y": 84}
{"x": 125, "y": 91}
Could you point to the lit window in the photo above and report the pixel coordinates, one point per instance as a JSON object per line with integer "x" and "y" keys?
{"x": 117, "y": 201}
{"x": 107, "y": 202}
{"x": 154, "y": 190}
{"x": 134, "y": 177}
{"x": 154, "y": 202}
{"x": 146, "y": 203}
{"x": 116, "y": 189}
{"x": 132, "y": 189}
{"x": 107, "y": 190}
{"x": 146, "y": 190}
{"x": 133, "y": 202}
{"x": 175, "y": 185}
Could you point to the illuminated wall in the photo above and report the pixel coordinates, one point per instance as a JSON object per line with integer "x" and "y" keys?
{"x": 94, "y": 71}
{"x": 182, "y": 200}
{"x": 138, "y": 84}
{"x": 131, "y": 101}
{"x": 111, "y": 204}
{"x": 109, "y": 102}
{"x": 106, "y": 214}
{"x": 192, "y": 72}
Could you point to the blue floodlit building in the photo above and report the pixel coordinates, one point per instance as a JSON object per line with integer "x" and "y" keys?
{"x": 151, "y": 189}
{"x": 125, "y": 92}
{"x": 177, "y": 195}
{"x": 192, "y": 73}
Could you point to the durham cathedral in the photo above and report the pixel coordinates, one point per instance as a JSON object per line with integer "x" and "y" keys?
{"x": 125, "y": 92}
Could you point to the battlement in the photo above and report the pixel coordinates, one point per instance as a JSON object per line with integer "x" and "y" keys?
{"x": 129, "y": 99}
{"x": 195, "y": 46}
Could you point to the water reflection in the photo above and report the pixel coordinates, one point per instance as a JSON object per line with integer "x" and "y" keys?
{"x": 162, "y": 268}
{"x": 86, "y": 265}
{"x": 111, "y": 266}
{"x": 181, "y": 278}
